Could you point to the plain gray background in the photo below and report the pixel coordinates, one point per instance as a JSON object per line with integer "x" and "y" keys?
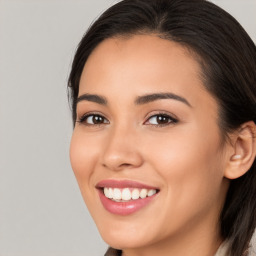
{"x": 41, "y": 210}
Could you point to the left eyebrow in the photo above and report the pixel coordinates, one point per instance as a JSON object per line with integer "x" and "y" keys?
{"x": 93, "y": 98}
{"x": 159, "y": 96}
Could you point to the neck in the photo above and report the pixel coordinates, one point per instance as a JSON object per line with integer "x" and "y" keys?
{"x": 199, "y": 241}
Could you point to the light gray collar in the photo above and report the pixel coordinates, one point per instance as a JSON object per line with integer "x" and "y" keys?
{"x": 222, "y": 251}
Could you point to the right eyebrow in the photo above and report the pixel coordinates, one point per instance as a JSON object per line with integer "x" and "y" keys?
{"x": 144, "y": 99}
{"x": 93, "y": 98}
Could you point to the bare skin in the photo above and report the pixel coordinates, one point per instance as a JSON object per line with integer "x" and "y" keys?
{"x": 183, "y": 155}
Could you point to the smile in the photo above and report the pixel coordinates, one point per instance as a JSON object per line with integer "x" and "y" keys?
{"x": 125, "y": 197}
{"x": 127, "y": 194}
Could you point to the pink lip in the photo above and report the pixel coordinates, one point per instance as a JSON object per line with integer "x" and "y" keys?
{"x": 122, "y": 184}
{"x": 123, "y": 208}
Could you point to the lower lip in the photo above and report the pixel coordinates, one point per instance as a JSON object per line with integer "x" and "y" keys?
{"x": 124, "y": 208}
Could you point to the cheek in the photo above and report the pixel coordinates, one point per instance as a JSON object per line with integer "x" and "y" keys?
{"x": 189, "y": 163}
{"x": 83, "y": 158}
{"x": 84, "y": 155}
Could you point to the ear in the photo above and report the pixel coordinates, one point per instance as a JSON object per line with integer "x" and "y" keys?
{"x": 243, "y": 151}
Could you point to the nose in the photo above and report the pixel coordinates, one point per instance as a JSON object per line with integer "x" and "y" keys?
{"x": 121, "y": 150}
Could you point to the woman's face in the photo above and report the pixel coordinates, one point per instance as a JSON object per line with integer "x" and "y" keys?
{"x": 147, "y": 134}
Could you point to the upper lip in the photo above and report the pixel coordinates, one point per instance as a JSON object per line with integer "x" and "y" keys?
{"x": 123, "y": 184}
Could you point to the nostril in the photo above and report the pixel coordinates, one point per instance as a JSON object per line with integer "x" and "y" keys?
{"x": 125, "y": 165}
{"x": 114, "y": 158}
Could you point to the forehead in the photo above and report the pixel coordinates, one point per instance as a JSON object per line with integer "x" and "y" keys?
{"x": 132, "y": 66}
{"x": 148, "y": 51}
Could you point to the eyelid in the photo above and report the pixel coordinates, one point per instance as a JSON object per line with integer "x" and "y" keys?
{"x": 173, "y": 118}
{"x": 81, "y": 119}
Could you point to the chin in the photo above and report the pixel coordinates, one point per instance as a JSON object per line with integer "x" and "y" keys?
{"x": 125, "y": 242}
{"x": 124, "y": 238}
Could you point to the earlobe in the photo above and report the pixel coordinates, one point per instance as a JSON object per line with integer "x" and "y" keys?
{"x": 243, "y": 151}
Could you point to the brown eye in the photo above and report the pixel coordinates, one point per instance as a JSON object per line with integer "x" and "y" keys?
{"x": 97, "y": 119}
{"x": 93, "y": 119}
{"x": 161, "y": 120}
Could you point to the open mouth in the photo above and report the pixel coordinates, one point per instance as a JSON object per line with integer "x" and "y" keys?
{"x": 128, "y": 194}
{"x": 125, "y": 197}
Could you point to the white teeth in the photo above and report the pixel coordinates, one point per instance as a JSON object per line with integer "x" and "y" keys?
{"x": 143, "y": 193}
{"x": 151, "y": 192}
{"x": 106, "y": 193}
{"x": 135, "y": 194}
{"x": 110, "y": 193}
{"x": 117, "y": 195}
{"x": 127, "y": 194}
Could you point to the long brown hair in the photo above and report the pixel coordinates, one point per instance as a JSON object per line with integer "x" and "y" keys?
{"x": 227, "y": 56}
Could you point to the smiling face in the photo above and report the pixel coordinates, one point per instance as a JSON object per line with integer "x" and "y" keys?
{"x": 148, "y": 129}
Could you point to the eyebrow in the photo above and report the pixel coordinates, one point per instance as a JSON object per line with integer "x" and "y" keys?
{"x": 159, "y": 96}
{"x": 140, "y": 100}
{"x": 92, "y": 97}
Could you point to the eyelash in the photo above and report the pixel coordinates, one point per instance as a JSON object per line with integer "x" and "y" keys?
{"x": 84, "y": 117}
{"x": 171, "y": 120}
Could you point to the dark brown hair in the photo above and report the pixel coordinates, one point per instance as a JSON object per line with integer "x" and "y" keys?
{"x": 227, "y": 56}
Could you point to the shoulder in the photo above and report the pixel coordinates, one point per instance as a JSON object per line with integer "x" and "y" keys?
{"x": 223, "y": 249}
{"x": 113, "y": 252}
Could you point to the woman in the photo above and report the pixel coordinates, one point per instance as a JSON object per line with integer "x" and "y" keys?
{"x": 163, "y": 95}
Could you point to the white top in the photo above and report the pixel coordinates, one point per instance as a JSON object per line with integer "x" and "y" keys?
{"x": 222, "y": 251}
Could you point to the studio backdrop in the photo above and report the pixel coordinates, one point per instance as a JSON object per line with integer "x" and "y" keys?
{"x": 41, "y": 210}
